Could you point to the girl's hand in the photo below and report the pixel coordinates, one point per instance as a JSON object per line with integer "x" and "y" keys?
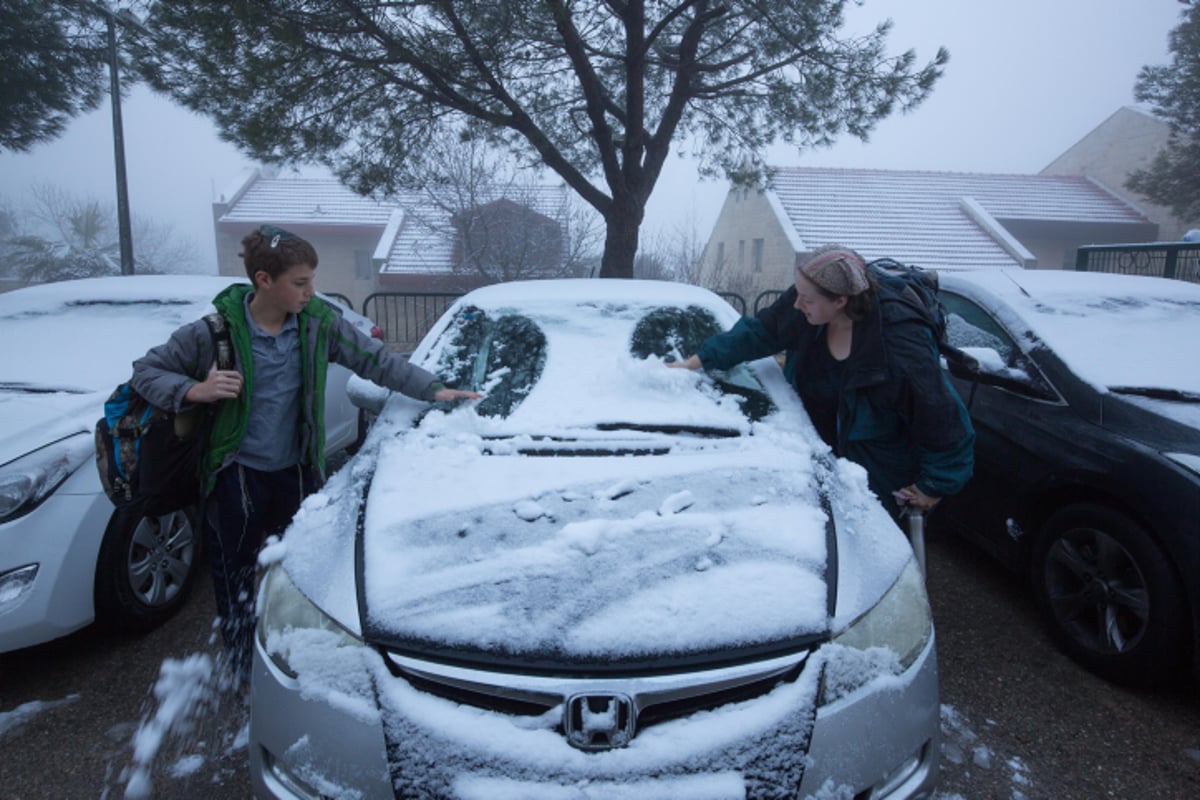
{"x": 691, "y": 362}
{"x": 911, "y": 495}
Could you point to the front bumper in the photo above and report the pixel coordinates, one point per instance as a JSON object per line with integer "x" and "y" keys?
{"x": 62, "y": 538}
{"x": 310, "y": 739}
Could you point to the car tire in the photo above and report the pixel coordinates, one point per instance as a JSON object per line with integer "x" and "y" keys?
{"x": 146, "y": 568}
{"x": 1109, "y": 595}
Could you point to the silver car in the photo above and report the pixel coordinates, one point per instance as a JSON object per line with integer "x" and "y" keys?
{"x": 607, "y": 579}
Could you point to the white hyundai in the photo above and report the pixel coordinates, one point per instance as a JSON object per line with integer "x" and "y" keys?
{"x": 67, "y": 557}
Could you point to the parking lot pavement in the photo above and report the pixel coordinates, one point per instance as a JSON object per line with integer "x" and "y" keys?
{"x": 1020, "y": 721}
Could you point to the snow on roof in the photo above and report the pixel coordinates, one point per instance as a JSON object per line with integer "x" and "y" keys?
{"x": 421, "y": 244}
{"x": 305, "y": 201}
{"x": 414, "y": 241}
{"x": 925, "y": 217}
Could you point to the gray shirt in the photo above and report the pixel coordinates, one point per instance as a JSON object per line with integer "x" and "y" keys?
{"x": 272, "y": 440}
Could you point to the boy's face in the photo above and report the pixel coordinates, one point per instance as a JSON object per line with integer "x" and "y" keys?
{"x": 291, "y": 290}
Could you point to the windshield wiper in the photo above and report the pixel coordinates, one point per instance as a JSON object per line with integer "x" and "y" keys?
{"x": 696, "y": 430}
{"x": 33, "y": 388}
{"x": 1156, "y": 393}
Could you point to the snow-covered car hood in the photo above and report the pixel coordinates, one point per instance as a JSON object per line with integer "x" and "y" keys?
{"x": 720, "y": 550}
{"x": 30, "y": 420}
{"x": 600, "y": 559}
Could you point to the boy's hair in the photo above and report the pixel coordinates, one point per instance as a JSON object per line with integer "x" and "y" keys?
{"x": 273, "y": 250}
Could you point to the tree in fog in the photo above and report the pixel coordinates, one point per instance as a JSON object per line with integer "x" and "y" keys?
{"x": 597, "y": 91}
{"x": 1173, "y": 177}
{"x": 64, "y": 237}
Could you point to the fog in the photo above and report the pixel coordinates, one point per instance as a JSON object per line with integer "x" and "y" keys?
{"x": 1025, "y": 81}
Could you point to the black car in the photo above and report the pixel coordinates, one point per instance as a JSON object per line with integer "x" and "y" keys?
{"x": 1087, "y": 414}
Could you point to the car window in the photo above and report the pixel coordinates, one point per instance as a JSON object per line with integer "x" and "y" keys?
{"x": 673, "y": 333}
{"x": 501, "y": 357}
{"x": 971, "y": 329}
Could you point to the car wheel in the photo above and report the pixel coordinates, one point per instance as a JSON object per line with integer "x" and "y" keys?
{"x": 1109, "y": 595}
{"x": 146, "y": 566}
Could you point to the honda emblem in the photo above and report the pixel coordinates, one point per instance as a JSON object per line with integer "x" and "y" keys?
{"x": 599, "y": 721}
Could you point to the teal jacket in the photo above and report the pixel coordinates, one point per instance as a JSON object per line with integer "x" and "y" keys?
{"x": 898, "y": 415}
{"x": 164, "y": 375}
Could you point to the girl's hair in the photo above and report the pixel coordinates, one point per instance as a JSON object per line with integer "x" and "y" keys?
{"x": 858, "y": 306}
{"x": 274, "y": 251}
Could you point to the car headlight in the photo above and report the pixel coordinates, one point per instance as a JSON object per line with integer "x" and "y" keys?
{"x": 284, "y": 611}
{"x": 1189, "y": 461}
{"x": 27, "y": 481}
{"x": 885, "y": 640}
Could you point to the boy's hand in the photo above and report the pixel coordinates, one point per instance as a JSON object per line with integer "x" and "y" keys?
{"x": 221, "y": 384}
{"x": 443, "y": 395}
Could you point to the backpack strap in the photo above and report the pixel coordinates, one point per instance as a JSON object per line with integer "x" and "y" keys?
{"x": 222, "y": 340}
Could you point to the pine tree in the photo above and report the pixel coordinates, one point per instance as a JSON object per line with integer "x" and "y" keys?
{"x": 597, "y": 91}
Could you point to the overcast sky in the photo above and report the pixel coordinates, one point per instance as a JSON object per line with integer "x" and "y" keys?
{"x": 1026, "y": 80}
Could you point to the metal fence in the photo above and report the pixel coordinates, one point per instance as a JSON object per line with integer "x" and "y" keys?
{"x": 405, "y": 317}
{"x": 1180, "y": 260}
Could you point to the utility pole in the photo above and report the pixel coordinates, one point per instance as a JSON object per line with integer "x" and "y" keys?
{"x": 124, "y": 228}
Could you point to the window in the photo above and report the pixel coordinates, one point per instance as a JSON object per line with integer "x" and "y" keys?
{"x": 672, "y": 333}
{"x": 757, "y": 255}
{"x": 502, "y": 358}
{"x": 741, "y": 252}
{"x": 363, "y": 269}
{"x": 971, "y": 329}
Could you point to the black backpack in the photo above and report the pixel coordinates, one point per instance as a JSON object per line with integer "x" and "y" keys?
{"x": 151, "y": 457}
{"x": 918, "y": 288}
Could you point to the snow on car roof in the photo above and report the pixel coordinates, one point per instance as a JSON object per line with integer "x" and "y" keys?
{"x": 1111, "y": 330}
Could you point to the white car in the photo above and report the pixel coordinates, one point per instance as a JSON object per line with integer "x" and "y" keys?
{"x": 607, "y": 579}
{"x": 66, "y": 557}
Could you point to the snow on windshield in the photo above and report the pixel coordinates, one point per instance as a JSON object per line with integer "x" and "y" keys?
{"x": 1112, "y": 330}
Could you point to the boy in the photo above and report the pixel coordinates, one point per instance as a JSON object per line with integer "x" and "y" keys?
{"x": 267, "y": 446}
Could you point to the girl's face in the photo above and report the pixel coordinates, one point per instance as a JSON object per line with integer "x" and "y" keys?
{"x": 291, "y": 291}
{"x": 818, "y": 309}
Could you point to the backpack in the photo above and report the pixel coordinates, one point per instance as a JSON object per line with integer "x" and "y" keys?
{"x": 918, "y": 288}
{"x": 150, "y": 456}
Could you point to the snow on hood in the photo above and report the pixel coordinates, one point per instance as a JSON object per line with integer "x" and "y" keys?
{"x": 582, "y": 557}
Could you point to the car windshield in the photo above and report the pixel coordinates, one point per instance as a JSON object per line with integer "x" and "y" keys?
{"x": 547, "y": 368}
{"x": 79, "y": 335}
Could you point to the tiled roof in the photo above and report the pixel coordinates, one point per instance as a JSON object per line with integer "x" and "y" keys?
{"x": 305, "y": 201}
{"x": 927, "y": 218}
{"x": 421, "y": 245}
{"x": 418, "y": 225}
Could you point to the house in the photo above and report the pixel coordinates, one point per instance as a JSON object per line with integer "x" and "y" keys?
{"x": 413, "y": 242}
{"x": 936, "y": 220}
{"x": 1124, "y": 143}
{"x": 945, "y": 220}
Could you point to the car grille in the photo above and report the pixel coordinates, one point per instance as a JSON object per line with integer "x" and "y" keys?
{"x": 646, "y": 700}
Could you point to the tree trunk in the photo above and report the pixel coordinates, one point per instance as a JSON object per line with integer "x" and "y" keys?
{"x": 620, "y": 243}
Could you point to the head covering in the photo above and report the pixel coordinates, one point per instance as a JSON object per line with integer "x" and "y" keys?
{"x": 836, "y": 269}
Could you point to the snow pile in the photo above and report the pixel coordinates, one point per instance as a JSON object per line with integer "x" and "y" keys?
{"x": 11, "y": 722}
